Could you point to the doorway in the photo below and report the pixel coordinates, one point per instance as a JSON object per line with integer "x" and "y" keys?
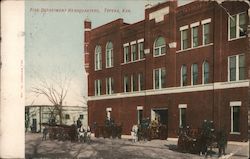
{"x": 160, "y": 114}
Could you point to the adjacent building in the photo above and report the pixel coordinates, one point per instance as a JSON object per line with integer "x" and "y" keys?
{"x": 181, "y": 65}
{"x": 37, "y": 115}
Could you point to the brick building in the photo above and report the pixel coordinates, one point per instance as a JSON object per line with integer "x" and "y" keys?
{"x": 181, "y": 65}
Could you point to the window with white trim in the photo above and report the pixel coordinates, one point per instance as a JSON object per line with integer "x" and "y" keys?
{"x": 194, "y": 74}
{"x": 126, "y": 83}
{"x": 183, "y": 75}
{"x": 98, "y": 58}
{"x": 133, "y": 52}
{"x": 184, "y": 39}
{"x": 159, "y": 78}
{"x": 126, "y": 54}
{"x": 236, "y": 67}
{"x": 140, "y": 81}
{"x": 205, "y": 72}
{"x": 97, "y": 87}
{"x": 206, "y": 33}
{"x": 182, "y": 115}
{"x": 235, "y": 116}
{"x": 159, "y": 46}
{"x": 109, "y": 85}
{"x": 237, "y": 26}
{"x": 195, "y": 40}
{"x": 141, "y": 50}
{"x": 133, "y": 83}
{"x": 109, "y": 55}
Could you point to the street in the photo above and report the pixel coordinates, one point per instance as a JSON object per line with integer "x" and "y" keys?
{"x": 100, "y": 148}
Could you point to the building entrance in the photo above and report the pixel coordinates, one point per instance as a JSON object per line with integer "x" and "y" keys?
{"x": 160, "y": 114}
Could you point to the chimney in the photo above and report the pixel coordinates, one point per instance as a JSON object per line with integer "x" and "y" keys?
{"x": 87, "y": 33}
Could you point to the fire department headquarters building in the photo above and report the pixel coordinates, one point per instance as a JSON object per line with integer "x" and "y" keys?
{"x": 180, "y": 65}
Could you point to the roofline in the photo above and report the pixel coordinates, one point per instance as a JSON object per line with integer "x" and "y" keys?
{"x": 53, "y": 106}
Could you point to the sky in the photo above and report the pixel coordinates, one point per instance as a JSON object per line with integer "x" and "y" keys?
{"x": 54, "y": 40}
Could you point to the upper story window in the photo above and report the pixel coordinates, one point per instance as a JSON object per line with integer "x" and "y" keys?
{"x": 140, "y": 81}
{"x": 206, "y": 31}
{"x": 205, "y": 72}
{"x": 133, "y": 83}
{"x": 141, "y": 50}
{"x": 133, "y": 52}
{"x": 237, "y": 26}
{"x": 126, "y": 54}
{"x": 184, "y": 39}
{"x": 126, "y": 83}
{"x": 159, "y": 46}
{"x": 159, "y": 78}
{"x": 236, "y": 67}
{"x": 109, "y": 85}
{"x": 98, "y": 87}
{"x": 98, "y": 58}
{"x": 194, "y": 74}
{"x": 109, "y": 55}
{"x": 183, "y": 75}
{"x": 194, "y": 34}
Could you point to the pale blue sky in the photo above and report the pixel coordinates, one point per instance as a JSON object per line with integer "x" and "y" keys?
{"x": 54, "y": 41}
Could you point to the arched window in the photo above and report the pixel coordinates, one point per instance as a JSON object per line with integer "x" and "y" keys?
{"x": 183, "y": 75}
{"x": 194, "y": 74}
{"x": 98, "y": 57}
{"x": 159, "y": 46}
{"x": 205, "y": 72}
{"x": 109, "y": 54}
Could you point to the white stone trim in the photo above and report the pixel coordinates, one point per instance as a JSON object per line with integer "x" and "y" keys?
{"x": 184, "y": 27}
{"x": 139, "y": 107}
{"x": 201, "y": 46}
{"x": 108, "y": 109}
{"x": 125, "y": 45}
{"x": 206, "y": 21}
{"x": 146, "y": 51}
{"x": 194, "y": 24}
{"x": 171, "y": 90}
{"x": 235, "y": 103}
{"x": 159, "y": 14}
{"x": 140, "y": 40}
{"x": 133, "y": 42}
{"x": 87, "y": 29}
{"x": 172, "y": 45}
{"x": 182, "y": 106}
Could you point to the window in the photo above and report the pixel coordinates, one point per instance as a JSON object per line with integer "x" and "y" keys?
{"x": 206, "y": 30}
{"x": 159, "y": 46}
{"x": 141, "y": 50}
{"x": 184, "y": 39}
{"x": 126, "y": 84}
{"x": 236, "y": 67}
{"x": 108, "y": 111}
{"x": 182, "y": 117}
{"x": 194, "y": 74}
{"x": 109, "y": 85}
{"x": 98, "y": 58}
{"x": 126, "y": 54}
{"x": 205, "y": 72}
{"x": 97, "y": 87}
{"x": 237, "y": 25}
{"x": 159, "y": 78}
{"x": 67, "y": 116}
{"x": 183, "y": 75}
{"x": 133, "y": 52}
{"x": 109, "y": 55}
{"x": 133, "y": 83}
{"x": 140, "y": 82}
{"x": 139, "y": 116}
{"x": 235, "y": 116}
{"x": 81, "y": 116}
{"x": 195, "y": 39}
